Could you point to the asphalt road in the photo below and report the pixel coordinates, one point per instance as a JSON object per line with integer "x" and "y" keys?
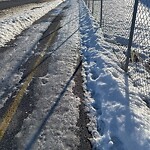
{"x": 25, "y": 106}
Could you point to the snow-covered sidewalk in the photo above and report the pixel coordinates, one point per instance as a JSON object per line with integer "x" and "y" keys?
{"x": 120, "y": 119}
{"x": 61, "y": 130}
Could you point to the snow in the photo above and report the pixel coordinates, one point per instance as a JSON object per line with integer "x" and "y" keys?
{"x": 60, "y": 131}
{"x": 120, "y": 119}
{"x": 14, "y": 25}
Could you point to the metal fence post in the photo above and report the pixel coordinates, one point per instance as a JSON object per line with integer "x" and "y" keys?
{"x": 92, "y": 7}
{"x": 131, "y": 35}
{"x": 85, "y": 2}
{"x": 101, "y": 13}
{"x": 89, "y": 4}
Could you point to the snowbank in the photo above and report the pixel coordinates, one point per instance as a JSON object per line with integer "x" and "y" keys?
{"x": 14, "y": 25}
{"x": 119, "y": 117}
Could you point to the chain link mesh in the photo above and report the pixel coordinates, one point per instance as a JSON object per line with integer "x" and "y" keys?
{"x": 139, "y": 67}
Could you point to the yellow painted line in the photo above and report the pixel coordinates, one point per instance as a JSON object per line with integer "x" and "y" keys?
{"x": 13, "y": 107}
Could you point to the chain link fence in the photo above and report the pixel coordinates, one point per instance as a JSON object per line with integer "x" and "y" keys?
{"x": 126, "y": 26}
{"x": 139, "y": 66}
